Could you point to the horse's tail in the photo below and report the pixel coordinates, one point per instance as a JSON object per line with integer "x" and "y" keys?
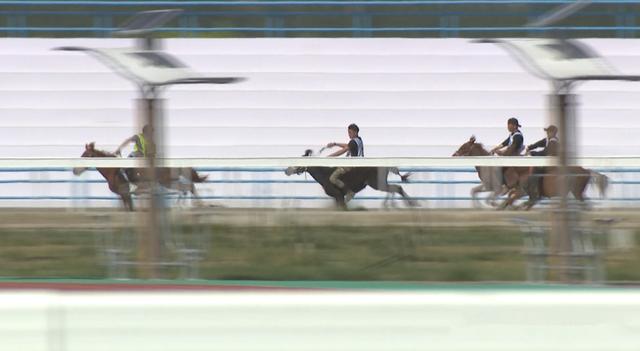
{"x": 196, "y": 178}
{"x": 403, "y": 177}
{"x": 601, "y": 181}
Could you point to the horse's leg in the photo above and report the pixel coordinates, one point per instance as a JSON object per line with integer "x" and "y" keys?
{"x": 511, "y": 178}
{"x": 506, "y": 202}
{"x": 512, "y": 196}
{"x": 394, "y": 189}
{"x": 533, "y": 189}
{"x": 121, "y": 188}
{"x": 399, "y": 190}
{"x": 491, "y": 199}
{"x": 601, "y": 180}
{"x": 389, "y": 200}
{"x": 518, "y": 194}
{"x": 578, "y": 188}
{"x": 196, "y": 198}
{"x": 474, "y": 195}
{"x": 340, "y": 203}
{"x": 527, "y": 205}
{"x": 127, "y": 201}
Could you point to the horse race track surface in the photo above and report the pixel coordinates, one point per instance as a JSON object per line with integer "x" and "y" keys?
{"x": 258, "y": 245}
{"x": 96, "y": 218}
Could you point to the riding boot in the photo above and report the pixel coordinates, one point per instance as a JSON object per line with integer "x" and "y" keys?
{"x": 349, "y": 196}
{"x": 132, "y": 175}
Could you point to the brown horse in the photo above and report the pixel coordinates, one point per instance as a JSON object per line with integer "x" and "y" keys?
{"x": 546, "y": 185}
{"x": 118, "y": 184}
{"x": 497, "y": 180}
{"x": 519, "y": 180}
{"x": 169, "y": 178}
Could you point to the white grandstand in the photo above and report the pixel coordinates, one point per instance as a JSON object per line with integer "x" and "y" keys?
{"x": 410, "y": 97}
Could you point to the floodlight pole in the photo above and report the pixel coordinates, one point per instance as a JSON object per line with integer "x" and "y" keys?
{"x": 144, "y": 72}
{"x": 149, "y": 243}
{"x": 563, "y": 220}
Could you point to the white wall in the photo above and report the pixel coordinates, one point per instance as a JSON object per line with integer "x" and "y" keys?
{"x": 410, "y": 97}
{"x": 372, "y": 321}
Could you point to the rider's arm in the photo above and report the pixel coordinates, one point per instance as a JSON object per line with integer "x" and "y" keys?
{"x": 537, "y": 144}
{"x": 126, "y": 142}
{"x": 500, "y": 146}
{"x": 332, "y": 144}
{"x": 340, "y": 152}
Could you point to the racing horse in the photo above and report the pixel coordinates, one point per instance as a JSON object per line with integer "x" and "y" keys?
{"x": 546, "y": 185}
{"x": 119, "y": 184}
{"x": 491, "y": 178}
{"x": 356, "y": 179}
{"x": 518, "y": 181}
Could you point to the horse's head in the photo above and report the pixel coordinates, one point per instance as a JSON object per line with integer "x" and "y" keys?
{"x": 299, "y": 170}
{"x": 90, "y": 151}
{"x": 470, "y": 148}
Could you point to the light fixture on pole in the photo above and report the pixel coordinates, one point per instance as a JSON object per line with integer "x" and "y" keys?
{"x": 563, "y": 63}
{"x": 151, "y": 70}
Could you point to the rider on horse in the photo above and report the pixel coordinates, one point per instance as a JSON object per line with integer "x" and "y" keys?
{"x": 549, "y": 147}
{"x": 354, "y": 148}
{"x": 514, "y": 143}
{"x": 512, "y": 146}
{"x": 549, "y": 144}
{"x": 143, "y": 147}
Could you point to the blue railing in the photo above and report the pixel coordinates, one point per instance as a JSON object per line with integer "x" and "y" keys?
{"x": 630, "y": 196}
{"x": 444, "y": 18}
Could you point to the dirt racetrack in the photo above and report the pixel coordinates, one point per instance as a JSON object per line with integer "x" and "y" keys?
{"x": 97, "y": 218}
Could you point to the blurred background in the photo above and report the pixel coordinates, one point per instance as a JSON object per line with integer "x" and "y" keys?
{"x": 408, "y": 73}
{"x": 405, "y": 72}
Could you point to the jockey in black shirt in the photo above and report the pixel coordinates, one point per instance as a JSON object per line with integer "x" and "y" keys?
{"x": 549, "y": 144}
{"x": 512, "y": 146}
{"x": 549, "y": 147}
{"x": 514, "y": 143}
{"x": 355, "y": 148}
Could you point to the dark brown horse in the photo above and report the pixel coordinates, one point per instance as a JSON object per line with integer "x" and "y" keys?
{"x": 519, "y": 181}
{"x": 169, "y": 178}
{"x": 356, "y": 179}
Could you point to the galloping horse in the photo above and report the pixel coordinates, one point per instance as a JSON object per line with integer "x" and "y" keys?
{"x": 491, "y": 178}
{"x": 579, "y": 178}
{"x": 118, "y": 184}
{"x": 519, "y": 182}
{"x": 356, "y": 179}
{"x": 167, "y": 177}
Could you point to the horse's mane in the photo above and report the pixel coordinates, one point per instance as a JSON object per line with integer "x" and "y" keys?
{"x": 102, "y": 153}
{"x": 481, "y": 146}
